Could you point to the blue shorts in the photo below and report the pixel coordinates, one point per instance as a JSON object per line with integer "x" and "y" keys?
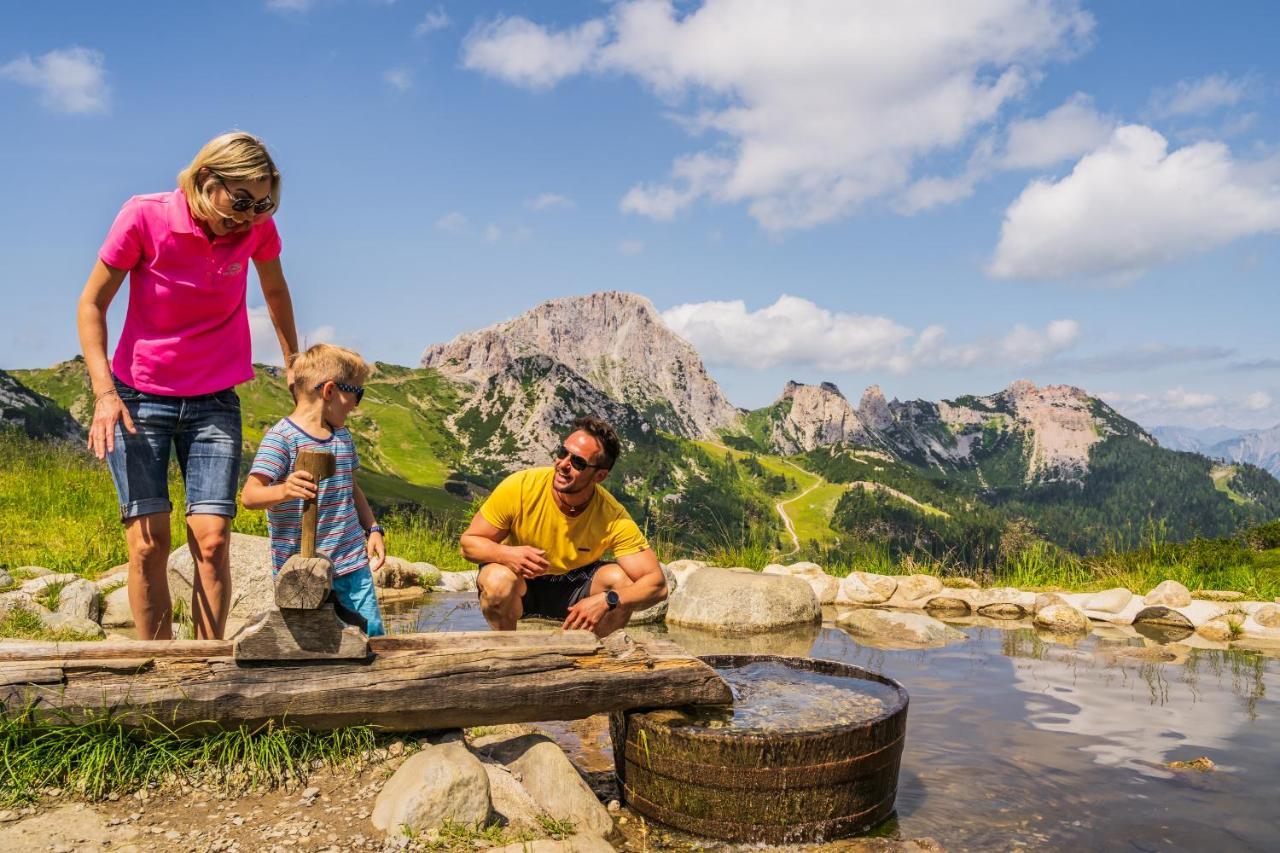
{"x": 204, "y": 431}
{"x": 354, "y": 591}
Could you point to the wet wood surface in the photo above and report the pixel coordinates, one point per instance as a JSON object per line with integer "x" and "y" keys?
{"x": 409, "y": 683}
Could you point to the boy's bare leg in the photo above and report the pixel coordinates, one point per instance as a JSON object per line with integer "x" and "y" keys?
{"x": 500, "y": 593}
{"x": 209, "y": 540}
{"x": 147, "y": 538}
{"x": 611, "y": 576}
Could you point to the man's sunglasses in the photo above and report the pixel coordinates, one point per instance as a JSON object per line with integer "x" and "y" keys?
{"x": 578, "y": 463}
{"x": 358, "y": 390}
{"x": 240, "y": 204}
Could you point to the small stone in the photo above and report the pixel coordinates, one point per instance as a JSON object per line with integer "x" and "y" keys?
{"x": 614, "y": 806}
{"x": 396, "y": 748}
{"x": 1168, "y": 593}
{"x": 1203, "y": 764}
{"x": 311, "y": 793}
{"x": 173, "y": 835}
{"x": 1062, "y": 618}
{"x": 1268, "y": 616}
{"x": 7, "y": 815}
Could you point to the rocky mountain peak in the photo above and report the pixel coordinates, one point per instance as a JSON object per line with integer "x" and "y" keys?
{"x": 874, "y": 410}
{"x": 818, "y": 415}
{"x": 616, "y": 341}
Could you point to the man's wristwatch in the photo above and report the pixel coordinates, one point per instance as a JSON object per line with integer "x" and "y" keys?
{"x": 611, "y": 598}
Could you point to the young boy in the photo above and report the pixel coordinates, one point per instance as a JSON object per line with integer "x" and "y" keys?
{"x": 329, "y": 382}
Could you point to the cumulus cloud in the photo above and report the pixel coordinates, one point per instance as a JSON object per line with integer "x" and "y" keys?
{"x": 1258, "y": 401}
{"x": 71, "y": 80}
{"x": 796, "y": 332}
{"x": 453, "y": 222}
{"x": 1065, "y": 133}
{"x": 266, "y": 347}
{"x": 519, "y": 51}
{"x": 814, "y": 107}
{"x": 399, "y": 78}
{"x": 435, "y": 19}
{"x": 1131, "y": 205}
{"x": 549, "y": 201}
{"x": 1199, "y": 97}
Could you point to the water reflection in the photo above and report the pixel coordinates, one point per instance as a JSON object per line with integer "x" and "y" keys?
{"x": 1018, "y": 739}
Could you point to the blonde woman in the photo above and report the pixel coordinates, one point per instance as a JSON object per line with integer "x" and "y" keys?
{"x": 183, "y": 349}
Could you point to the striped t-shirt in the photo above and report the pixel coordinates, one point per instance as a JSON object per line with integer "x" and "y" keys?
{"x": 338, "y": 533}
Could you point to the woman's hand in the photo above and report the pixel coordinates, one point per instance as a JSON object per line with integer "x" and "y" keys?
{"x": 107, "y": 411}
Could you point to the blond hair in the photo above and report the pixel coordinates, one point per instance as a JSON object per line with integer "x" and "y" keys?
{"x": 327, "y": 363}
{"x": 235, "y": 156}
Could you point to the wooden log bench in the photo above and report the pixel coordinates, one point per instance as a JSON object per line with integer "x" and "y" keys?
{"x": 408, "y": 682}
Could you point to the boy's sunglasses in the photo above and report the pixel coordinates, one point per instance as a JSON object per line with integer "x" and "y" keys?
{"x": 578, "y": 463}
{"x": 240, "y": 204}
{"x": 358, "y": 390}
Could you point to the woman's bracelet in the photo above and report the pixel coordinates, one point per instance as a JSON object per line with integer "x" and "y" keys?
{"x": 105, "y": 393}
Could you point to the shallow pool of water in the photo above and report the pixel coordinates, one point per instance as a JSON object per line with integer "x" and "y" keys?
{"x": 1014, "y": 740}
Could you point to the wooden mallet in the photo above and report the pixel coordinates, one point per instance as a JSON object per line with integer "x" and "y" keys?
{"x": 306, "y": 577}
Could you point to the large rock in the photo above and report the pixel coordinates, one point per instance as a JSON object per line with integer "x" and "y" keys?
{"x": 81, "y": 599}
{"x": 1109, "y": 600}
{"x": 913, "y": 588}
{"x": 1124, "y": 616}
{"x": 946, "y": 605}
{"x": 510, "y": 801}
{"x": 915, "y": 629}
{"x": 550, "y": 778}
{"x": 116, "y": 612}
{"x": 657, "y": 612}
{"x": 17, "y": 599}
{"x": 1001, "y": 602}
{"x": 1062, "y": 618}
{"x": 442, "y": 782}
{"x": 682, "y": 569}
{"x": 1047, "y": 599}
{"x": 459, "y": 581}
{"x": 79, "y": 626}
{"x": 1168, "y": 594}
{"x": 252, "y": 589}
{"x": 866, "y": 588}
{"x": 1191, "y": 615}
{"x": 825, "y": 587}
{"x": 395, "y": 573}
{"x": 742, "y": 602}
{"x": 37, "y": 585}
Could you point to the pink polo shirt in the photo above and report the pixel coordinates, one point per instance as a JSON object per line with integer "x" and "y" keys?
{"x": 187, "y": 329}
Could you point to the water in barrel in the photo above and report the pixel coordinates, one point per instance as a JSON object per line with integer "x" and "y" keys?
{"x": 770, "y": 696}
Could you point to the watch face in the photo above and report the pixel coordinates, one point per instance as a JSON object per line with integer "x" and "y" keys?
{"x": 611, "y": 598}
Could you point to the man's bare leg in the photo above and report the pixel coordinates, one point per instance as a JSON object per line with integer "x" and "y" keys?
{"x": 500, "y": 592}
{"x": 611, "y": 576}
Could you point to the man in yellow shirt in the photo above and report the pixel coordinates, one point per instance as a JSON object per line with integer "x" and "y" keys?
{"x": 542, "y": 537}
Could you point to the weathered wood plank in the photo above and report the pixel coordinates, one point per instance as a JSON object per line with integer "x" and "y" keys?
{"x": 431, "y": 682}
{"x": 23, "y": 650}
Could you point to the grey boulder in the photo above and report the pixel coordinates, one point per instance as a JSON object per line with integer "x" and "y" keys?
{"x": 442, "y": 782}
{"x": 895, "y": 627}
{"x": 729, "y": 601}
{"x": 252, "y": 588}
{"x": 550, "y": 778}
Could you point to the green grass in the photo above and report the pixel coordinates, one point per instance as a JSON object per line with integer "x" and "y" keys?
{"x": 811, "y": 513}
{"x": 21, "y": 624}
{"x": 103, "y": 756}
{"x": 1222, "y": 476}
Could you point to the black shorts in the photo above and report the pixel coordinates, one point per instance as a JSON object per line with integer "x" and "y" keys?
{"x": 551, "y": 596}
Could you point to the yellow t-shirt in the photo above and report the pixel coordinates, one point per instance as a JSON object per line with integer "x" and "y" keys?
{"x": 522, "y": 504}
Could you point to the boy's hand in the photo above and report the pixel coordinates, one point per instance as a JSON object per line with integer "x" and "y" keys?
{"x": 300, "y": 484}
{"x": 376, "y": 548}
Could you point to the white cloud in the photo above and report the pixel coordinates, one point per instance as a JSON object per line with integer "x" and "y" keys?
{"x": 519, "y": 51}
{"x": 796, "y": 332}
{"x": 453, "y": 222}
{"x": 1065, "y": 133}
{"x": 1177, "y": 399}
{"x": 1257, "y": 401}
{"x": 549, "y": 201}
{"x": 492, "y": 234}
{"x": 399, "y": 78}
{"x": 435, "y": 19}
{"x": 1198, "y": 97}
{"x": 1131, "y": 205}
{"x": 814, "y": 106}
{"x": 72, "y": 80}
{"x": 631, "y": 247}
{"x": 266, "y": 346}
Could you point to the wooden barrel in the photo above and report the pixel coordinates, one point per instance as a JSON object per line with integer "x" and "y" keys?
{"x": 772, "y": 787}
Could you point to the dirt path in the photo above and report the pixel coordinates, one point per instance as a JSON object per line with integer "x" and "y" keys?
{"x": 902, "y": 496}
{"x": 786, "y": 519}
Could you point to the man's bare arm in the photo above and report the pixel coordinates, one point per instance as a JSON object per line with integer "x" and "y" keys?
{"x": 482, "y": 543}
{"x": 648, "y": 584}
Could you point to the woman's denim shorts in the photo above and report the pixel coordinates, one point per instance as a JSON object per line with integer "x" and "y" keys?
{"x": 204, "y": 431}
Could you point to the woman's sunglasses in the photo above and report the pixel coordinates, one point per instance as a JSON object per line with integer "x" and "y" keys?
{"x": 240, "y": 204}
{"x": 578, "y": 463}
{"x": 358, "y": 390}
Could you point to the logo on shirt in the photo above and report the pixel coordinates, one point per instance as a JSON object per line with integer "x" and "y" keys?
{"x": 232, "y": 269}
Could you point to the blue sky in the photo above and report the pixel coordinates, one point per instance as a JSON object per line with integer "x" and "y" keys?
{"x": 936, "y": 197}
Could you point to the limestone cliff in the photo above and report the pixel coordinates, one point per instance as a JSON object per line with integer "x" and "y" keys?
{"x": 817, "y": 415}
{"x": 615, "y": 341}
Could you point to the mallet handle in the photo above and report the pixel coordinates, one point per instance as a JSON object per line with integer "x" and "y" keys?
{"x": 321, "y": 465}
